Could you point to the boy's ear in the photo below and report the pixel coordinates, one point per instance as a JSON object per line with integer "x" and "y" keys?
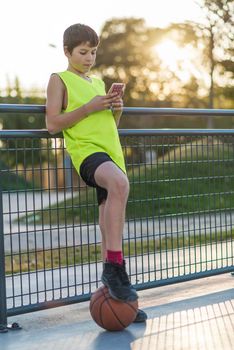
{"x": 66, "y": 52}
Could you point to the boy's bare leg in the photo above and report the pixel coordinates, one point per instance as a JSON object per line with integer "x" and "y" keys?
{"x": 102, "y": 228}
{"x": 141, "y": 315}
{"x": 111, "y": 220}
{"x": 110, "y": 177}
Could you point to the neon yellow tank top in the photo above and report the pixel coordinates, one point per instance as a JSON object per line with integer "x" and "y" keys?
{"x": 97, "y": 132}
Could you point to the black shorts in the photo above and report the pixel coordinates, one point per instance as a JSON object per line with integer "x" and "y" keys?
{"x": 87, "y": 170}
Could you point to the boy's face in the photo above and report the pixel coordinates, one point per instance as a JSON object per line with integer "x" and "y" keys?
{"x": 82, "y": 57}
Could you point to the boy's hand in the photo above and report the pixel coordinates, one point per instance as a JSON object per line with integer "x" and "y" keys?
{"x": 99, "y": 103}
{"x": 117, "y": 105}
{"x": 117, "y": 109}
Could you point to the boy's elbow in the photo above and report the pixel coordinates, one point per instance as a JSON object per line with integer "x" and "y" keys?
{"x": 51, "y": 128}
{"x": 51, "y": 131}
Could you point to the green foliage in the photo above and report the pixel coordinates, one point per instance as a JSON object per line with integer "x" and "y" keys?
{"x": 218, "y": 34}
{"x": 193, "y": 177}
{"x": 127, "y": 53}
{"x": 12, "y": 181}
{"x": 124, "y": 53}
{"x": 20, "y": 121}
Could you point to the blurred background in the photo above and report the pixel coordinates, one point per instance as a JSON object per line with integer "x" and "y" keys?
{"x": 169, "y": 53}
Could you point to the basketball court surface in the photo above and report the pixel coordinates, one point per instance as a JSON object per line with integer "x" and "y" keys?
{"x": 185, "y": 316}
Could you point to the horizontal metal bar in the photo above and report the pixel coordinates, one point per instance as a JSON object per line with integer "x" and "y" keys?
{"x": 35, "y": 133}
{"x": 165, "y": 132}
{"x": 143, "y": 286}
{"x": 130, "y": 111}
{"x": 184, "y": 278}
{"x": 170, "y": 112}
{"x": 21, "y": 108}
{"x": 122, "y": 132}
{"x": 47, "y": 305}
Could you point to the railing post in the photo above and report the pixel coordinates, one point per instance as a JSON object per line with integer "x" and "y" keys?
{"x": 3, "y": 306}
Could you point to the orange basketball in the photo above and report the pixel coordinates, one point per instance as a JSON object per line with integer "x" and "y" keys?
{"x": 111, "y": 314}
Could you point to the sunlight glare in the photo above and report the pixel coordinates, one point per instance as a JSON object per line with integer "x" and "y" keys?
{"x": 169, "y": 52}
{"x": 174, "y": 57}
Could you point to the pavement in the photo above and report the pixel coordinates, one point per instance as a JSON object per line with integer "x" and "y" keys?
{"x": 191, "y": 315}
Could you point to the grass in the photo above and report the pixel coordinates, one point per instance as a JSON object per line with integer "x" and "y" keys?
{"x": 11, "y": 181}
{"x": 193, "y": 177}
{"x": 64, "y": 257}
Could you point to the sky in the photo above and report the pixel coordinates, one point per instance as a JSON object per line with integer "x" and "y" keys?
{"x": 28, "y": 28}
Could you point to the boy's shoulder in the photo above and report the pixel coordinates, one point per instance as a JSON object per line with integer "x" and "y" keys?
{"x": 67, "y": 78}
{"x": 94, "y": 77}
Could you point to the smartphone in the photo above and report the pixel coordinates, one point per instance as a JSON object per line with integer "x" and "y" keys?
{"x": 117, "y": 87}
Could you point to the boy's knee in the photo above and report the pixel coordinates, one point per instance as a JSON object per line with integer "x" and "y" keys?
{"x": 121, "y": 187}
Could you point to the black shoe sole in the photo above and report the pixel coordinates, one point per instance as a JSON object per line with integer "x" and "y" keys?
{"x": 123, "y": 300}
{"x": 140, "y": 317}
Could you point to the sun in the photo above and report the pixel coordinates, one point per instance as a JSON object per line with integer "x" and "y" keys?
{"x": 175, "y": 58}
{"x": 169, "y": 53}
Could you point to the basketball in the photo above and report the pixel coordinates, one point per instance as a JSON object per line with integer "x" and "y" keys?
{"x": 111, "y": 314}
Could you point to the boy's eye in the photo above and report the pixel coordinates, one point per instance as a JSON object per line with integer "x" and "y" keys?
{"x": 84, "y": 53}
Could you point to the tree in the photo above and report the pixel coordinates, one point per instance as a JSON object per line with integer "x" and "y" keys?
{"x": 218, "y": 31}
{"x": 125, "y": 54}
{"x": 20, "y": 153}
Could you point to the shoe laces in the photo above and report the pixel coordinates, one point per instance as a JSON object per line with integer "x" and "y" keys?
{"x": 124, "y": 276}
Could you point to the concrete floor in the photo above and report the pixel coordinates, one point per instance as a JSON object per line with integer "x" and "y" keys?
{"x": 190, "y": 315}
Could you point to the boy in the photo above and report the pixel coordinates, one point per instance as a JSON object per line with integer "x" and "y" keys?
{"x": 78, "y": 105}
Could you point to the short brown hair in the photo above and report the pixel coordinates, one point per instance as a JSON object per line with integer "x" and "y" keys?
{"x": 77, "y": 34}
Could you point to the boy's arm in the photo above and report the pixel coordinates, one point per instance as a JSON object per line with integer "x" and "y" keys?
{"x": 56, "y": 121}
{"x": 117, "y": 110}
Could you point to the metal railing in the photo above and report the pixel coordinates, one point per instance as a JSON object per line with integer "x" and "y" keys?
{"x": 179, "y": 223}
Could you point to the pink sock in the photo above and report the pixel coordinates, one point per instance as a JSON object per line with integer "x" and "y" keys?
{"x": 115, "y": 257}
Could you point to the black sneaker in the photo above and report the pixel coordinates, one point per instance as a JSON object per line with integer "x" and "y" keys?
{"x": 140, "y": 317}
{"x": 115, "y": 278}
{"x": 125, "y": 278}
